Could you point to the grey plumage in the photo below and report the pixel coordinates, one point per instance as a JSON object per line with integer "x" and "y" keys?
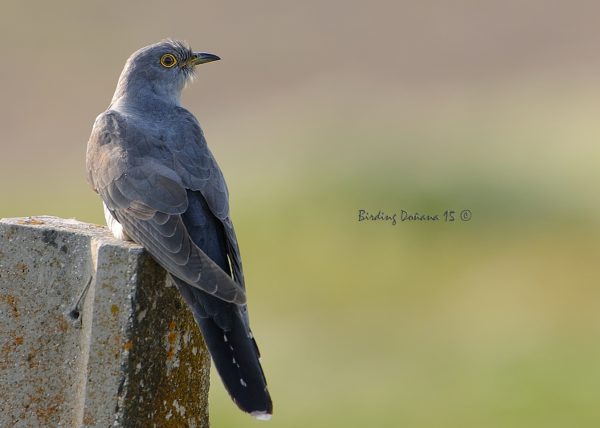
{"x": 148, "y": 160}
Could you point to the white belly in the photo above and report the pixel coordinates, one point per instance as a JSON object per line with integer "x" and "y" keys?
{"x": 114, "y": 226}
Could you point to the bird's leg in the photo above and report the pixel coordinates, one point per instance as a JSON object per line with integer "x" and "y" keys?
{"x": 75, "y": 313}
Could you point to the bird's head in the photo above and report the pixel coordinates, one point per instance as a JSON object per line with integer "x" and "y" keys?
{"x": 161, "y": 69}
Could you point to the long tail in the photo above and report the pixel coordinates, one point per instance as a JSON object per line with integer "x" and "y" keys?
{"x": 232, "y": 348}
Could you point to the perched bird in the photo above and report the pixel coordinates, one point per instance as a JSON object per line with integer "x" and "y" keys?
{"x": 162, "y": 188}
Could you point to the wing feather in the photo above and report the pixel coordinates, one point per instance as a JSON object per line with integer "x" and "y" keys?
{"x": 148, "y": 199}
{"x": 199, "y": 171}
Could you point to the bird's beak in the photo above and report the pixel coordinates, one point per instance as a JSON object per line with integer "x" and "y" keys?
{"x": 202, "y": 57}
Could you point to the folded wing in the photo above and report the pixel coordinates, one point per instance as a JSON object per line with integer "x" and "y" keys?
{"x": 148, "y": 198}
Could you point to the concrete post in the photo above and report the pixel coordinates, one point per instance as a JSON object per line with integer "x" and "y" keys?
{"x": 135, "y": 358}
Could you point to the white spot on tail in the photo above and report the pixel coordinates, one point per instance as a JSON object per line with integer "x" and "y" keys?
{"x": 225, "y": 338}
{"x": 243, "y": 383}
{"x": 261, "y": 416}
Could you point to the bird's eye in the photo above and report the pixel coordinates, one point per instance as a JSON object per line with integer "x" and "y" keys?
{"x": 168, "y": 60}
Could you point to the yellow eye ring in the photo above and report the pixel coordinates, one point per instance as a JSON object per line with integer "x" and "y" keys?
{"x": 168, "y": 60}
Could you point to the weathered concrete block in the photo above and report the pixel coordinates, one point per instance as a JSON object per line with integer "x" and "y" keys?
{"x": 135, "y": 359}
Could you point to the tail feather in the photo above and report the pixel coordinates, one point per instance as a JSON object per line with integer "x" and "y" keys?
{"x": 233, "y": 349}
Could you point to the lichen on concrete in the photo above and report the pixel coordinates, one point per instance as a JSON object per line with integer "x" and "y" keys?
{"x": 161, "y": 355}
{"x": 135, "y": 359}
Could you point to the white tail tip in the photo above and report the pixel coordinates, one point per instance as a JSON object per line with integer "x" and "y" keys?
{"x": 262, "y": 416}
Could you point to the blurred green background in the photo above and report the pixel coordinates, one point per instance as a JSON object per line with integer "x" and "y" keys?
{"x": 322, "y": 108}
